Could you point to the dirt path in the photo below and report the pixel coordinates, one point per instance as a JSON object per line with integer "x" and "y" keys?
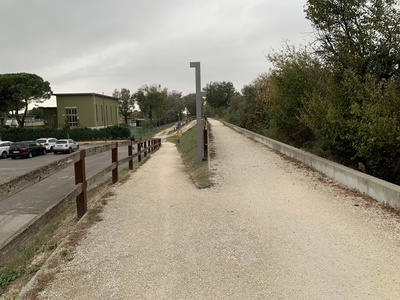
{"x": 266, "y": 230}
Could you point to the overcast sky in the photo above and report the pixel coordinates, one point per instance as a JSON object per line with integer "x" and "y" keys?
{"x": 98, "y": 45}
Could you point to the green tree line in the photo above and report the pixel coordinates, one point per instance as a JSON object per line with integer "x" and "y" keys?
{"x": 156, "y": 104}
{"x": 339, "y": 97}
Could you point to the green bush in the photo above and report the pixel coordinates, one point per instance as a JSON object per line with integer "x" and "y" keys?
{"x": 78, "y": 134}
{"x": 119, "y": 132}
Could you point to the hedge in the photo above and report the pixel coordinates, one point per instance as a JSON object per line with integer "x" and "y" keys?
{"x": 78, "y": 134}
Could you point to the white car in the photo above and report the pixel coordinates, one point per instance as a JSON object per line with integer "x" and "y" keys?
{"x": 65, "y": 146}
{"x": 49, "y": 143}
{"x": 4, "y": 146}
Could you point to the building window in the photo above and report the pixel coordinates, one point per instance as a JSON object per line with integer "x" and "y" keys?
{"x": 71, "y": 116}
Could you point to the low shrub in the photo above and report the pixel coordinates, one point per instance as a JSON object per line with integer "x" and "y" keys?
{"x": 78, "y": 134}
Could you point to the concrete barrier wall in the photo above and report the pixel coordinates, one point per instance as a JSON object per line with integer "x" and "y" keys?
{"x": 377, "y": 189}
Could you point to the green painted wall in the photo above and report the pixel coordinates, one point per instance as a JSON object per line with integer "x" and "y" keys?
{"x": 93, "y": 110}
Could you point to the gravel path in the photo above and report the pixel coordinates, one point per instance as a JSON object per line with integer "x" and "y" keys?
{"x": 267, "y": 230}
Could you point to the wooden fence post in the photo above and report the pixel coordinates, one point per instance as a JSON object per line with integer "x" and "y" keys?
{"x": 139, "y": 145}
{"x": 80, "y": 177}
{"x": 114, "y": 159}
{"x": 130, "y": 153}
{"x": 205, "y": 144}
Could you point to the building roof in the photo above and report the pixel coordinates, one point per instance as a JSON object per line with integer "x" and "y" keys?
{"x": 85, "y": 94}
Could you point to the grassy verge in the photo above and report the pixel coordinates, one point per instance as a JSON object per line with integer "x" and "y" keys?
{"x": 28, "y": 260}
{"x": 199, "y": 172}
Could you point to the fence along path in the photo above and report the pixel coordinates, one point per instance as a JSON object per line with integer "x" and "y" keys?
{"x": 78, "y": 192}
{"x": 267, "y": 229}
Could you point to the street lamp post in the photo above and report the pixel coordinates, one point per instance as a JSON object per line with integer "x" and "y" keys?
{"x": 199, "y": 94}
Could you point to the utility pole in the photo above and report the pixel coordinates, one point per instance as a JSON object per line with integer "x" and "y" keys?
{"x": 199, "y": 95}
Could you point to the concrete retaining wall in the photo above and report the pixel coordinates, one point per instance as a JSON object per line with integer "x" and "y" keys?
{"x": 377, "y": 189}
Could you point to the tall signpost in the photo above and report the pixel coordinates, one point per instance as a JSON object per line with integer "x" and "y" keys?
{"x": 199, "y": 135}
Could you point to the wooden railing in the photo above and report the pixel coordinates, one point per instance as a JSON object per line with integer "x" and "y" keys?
{"x": 82, "y": 183}
{"x": 144, "y": 147}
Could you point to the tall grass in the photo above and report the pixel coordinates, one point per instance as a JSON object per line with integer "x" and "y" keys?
{"x": 199, "y": 172}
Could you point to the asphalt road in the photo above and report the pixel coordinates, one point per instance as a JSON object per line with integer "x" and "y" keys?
{"x": 22, "y": 207}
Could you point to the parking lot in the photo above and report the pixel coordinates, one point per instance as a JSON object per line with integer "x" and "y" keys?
{"x": 27, "y": 204}
{"x": 11, "y": 168}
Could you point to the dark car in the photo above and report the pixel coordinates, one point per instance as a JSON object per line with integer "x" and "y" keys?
{"x": 26, "y": 149}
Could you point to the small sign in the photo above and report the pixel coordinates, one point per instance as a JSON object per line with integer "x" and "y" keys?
{"x": 179, "y": 133}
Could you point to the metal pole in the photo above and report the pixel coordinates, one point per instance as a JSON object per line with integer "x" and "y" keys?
{"x": 196, "y": 65}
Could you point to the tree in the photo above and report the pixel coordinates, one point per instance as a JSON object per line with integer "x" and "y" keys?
{"x": 256, "y": 112}
{"x": 363, "y": 35}
{"x": 152, "y": 101}
{"x": 219, "y": 95}
{"x": 363, "y": 134}
{"x": 6, "y": 100}
{"x": 175, "y": 106}
{"x": 236, "y": 110}
{"x": 353, "y": 108}
{"x": 18, "y": 90}
{"x": 294, "y": 76}
{"x": 377, "y": 124}
{"x": 36, "y": 112}
{"x": 5, "y": 106}
{"x": 126, "y": 102}
{"x": 190, "y": 104}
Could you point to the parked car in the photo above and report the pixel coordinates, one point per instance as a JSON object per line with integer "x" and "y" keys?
{"x": 65, "y": 146}
{"x": 4, "y": 146}
{"x": 26, "y": 149}
{"x": 49, "y": 143}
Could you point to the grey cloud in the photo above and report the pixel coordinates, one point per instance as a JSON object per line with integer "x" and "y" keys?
{"x": 98, "y": 45}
